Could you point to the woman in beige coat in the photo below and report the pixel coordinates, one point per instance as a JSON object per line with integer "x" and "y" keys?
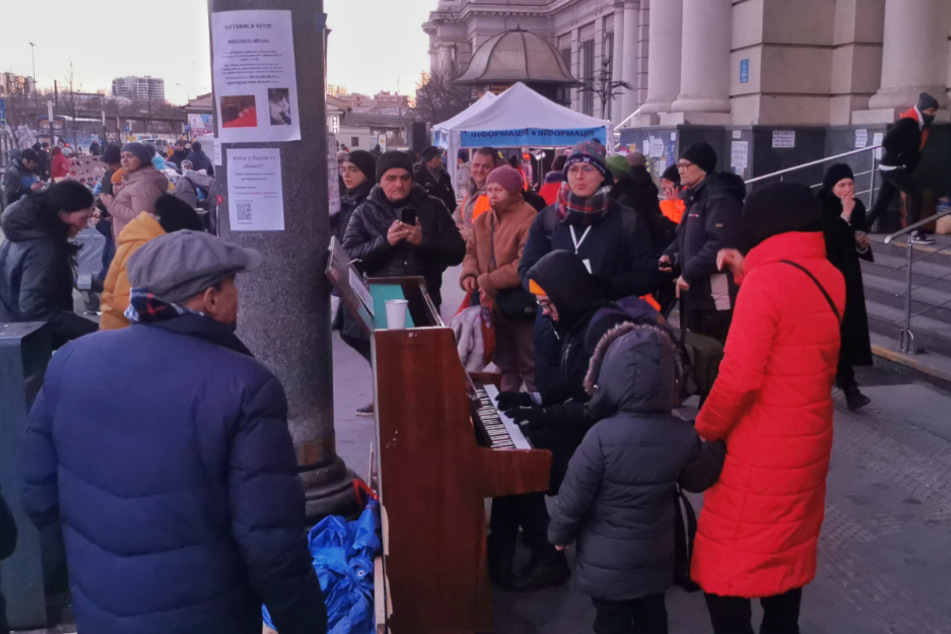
{"x": 141, "y": 187}
{"x": 493, "y": 252}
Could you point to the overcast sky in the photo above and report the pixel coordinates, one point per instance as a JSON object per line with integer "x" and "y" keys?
{"x": 374, "y": 44}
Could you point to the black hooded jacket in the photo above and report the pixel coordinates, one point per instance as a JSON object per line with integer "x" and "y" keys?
{"x": 711, "y": 222}
{"x": 442, "y": 246}
{"x": 36, "y": 275}
{"x": 15, "y": 181}
{"x": 439, "y": 186}
{"x": 616, "y": 500}
{"x": 639, "y": 193}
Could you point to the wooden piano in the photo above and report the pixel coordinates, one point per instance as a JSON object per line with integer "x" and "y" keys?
{"x": 443, "y": 449}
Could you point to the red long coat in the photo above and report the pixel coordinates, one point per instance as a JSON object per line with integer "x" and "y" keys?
{"x": 772, "y": 404}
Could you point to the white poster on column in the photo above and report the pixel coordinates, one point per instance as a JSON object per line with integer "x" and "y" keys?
{"x": 255, "y": 79}
{"x": 255, "y": 193}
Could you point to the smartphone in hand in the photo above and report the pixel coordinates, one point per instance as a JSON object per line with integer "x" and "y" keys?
{"x": 408, "y": 216}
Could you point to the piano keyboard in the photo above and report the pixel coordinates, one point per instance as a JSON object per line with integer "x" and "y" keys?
{"x": 503, "y": 432}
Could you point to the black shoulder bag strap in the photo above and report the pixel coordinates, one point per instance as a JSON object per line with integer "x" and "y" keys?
{"x": 825, "y": 294}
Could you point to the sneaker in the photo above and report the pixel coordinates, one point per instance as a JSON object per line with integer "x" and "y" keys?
{"x": 366, "y": 410}
{"x": 920, "y": 238}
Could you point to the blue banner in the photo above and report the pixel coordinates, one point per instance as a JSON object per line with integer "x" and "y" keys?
{"x": 532, "y": 137}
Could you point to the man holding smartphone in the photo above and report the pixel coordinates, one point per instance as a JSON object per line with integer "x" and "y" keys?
{"x": 400, "y": 230}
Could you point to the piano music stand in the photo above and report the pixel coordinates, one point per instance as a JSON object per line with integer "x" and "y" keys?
{"x": 350, "y": 286}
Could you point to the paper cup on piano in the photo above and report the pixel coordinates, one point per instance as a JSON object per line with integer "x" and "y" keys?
{"x": 396, "y": 314}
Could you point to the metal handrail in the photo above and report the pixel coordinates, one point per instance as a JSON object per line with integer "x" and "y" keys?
{"x": 906, "y": 338}
{"x": 810, "y": 164}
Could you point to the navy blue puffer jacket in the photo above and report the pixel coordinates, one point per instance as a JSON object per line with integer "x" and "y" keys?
{"x": 164, "y": 451}
{"x": 617, "y": 499}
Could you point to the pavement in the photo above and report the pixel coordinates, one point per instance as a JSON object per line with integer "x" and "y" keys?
{"x": 885, "y": 550}
{"x": 884, "y": 558}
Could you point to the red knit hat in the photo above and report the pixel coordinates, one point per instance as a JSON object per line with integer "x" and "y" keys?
{"x": 506, "y": 176}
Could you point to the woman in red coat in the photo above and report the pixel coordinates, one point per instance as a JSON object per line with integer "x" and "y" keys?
{"x": 59, "y": 167}
{"x": 772, "y": 404}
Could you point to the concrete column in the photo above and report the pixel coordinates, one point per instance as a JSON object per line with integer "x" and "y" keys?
{"x": 663, "y": 62}
{"x": 629, "y": 72}
{"x": 617, "y": 61}
{"x": 914, "y": 54}
{"x": 285, "y": 310}
{"x": 705, "y": 57}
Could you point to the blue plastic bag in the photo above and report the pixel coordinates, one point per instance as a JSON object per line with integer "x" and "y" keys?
{"x": 343, "y": 555}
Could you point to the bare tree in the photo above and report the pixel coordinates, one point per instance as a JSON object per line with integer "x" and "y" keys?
{"x": 437, "y": 99}
{"x": 603, "y": 87}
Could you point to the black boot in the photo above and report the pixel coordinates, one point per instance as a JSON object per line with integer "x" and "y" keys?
{"x": 854, "y": 399}
{"x": 545, "y": 570}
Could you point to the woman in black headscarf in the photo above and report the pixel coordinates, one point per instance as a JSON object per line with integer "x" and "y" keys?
{"x": 844, "y": 227}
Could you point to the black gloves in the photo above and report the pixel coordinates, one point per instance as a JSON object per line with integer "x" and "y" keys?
{"x": 529, "y": 418}
{"x": 510, "y": 400}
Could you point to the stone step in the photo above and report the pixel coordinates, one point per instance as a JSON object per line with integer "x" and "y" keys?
{"x": 930, "y": 334}
{"x": 935, "y": 267}
{"x": 930, "y": 367}
{"x": 891, "y": 292}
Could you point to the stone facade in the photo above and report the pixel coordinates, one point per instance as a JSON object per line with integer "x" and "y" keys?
{"x": 727, "y": 62}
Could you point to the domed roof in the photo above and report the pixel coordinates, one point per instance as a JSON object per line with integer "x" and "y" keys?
{"x": 513, "y": 56}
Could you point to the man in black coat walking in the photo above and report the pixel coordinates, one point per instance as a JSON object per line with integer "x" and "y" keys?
{"x": 400, "y": 230}
{"x": 903, "y": 144}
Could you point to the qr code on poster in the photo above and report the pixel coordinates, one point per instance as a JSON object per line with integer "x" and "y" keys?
{"x": 244, "y": 212}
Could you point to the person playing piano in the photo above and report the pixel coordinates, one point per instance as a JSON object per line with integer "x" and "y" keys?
{"x": 554, "y": 417}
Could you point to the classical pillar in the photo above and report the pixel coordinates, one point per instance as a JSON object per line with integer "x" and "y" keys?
{"x": 629, "y": 71}
{"x": 663, "y": 61}
{"x": 914, "y": 52}
{"x": 285, "y": 308}
{"x": 617, "y": 63}
{"x": 705, "y": 57}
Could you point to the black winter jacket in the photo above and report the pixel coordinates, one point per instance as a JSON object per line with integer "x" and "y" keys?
{"x": 617, "y": 500}
{"x": 902, "y": 144}
{"x": 639, "y": 193}
{"x": 178, "y": 494}
{"x": 622, "y": 258}
{"x": 711, "y": 222}
{"x": 438, "y": 187}
{"x": 36, "y": 276}
{"x": 16, "y": 183}
{"x": 349, "y": 201}
{"x": 442, "y": 246}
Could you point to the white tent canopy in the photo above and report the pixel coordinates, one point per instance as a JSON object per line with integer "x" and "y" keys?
{"x": 441, "y": 130}
{"x": 520, "y": 117}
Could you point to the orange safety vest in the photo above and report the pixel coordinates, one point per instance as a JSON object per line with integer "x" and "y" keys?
{"x": 481, "y": 206}
{"x": 673, "y": 209}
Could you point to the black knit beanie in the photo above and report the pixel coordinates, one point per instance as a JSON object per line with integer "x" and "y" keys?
{"x": 393, "y": 159}
{"x": 702, "y": 155}
{"x": 835, "y": 173}
{"x": 174, "y": 214}
{"x": 672, "y": 174}
{"x": 429, "y": 153}
{"x": 926, "y": 101}
{"x": 364, "y": 161}
{"x": 779, "y": 208}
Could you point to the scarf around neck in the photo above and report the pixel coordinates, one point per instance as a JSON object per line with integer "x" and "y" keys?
{"x": 144, "y": 308}
{"x": 576, "y": 210}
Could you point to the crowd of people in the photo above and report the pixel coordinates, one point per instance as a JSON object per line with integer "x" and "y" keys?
{"x": 577, "y": 282}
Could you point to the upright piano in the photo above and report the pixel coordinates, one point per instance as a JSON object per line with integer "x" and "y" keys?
{"x": 443, "y": 449}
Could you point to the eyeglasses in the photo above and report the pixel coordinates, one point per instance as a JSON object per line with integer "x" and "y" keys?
{"x": 683, "y": 166}
{"x": 544, "y": 304}
{"x": 581, "y": 168}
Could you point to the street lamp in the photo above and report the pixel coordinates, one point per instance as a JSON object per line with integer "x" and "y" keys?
{"x": 33, "y": 54}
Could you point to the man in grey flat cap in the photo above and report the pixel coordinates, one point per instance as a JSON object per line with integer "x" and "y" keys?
{"x": 173, "y": 473}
